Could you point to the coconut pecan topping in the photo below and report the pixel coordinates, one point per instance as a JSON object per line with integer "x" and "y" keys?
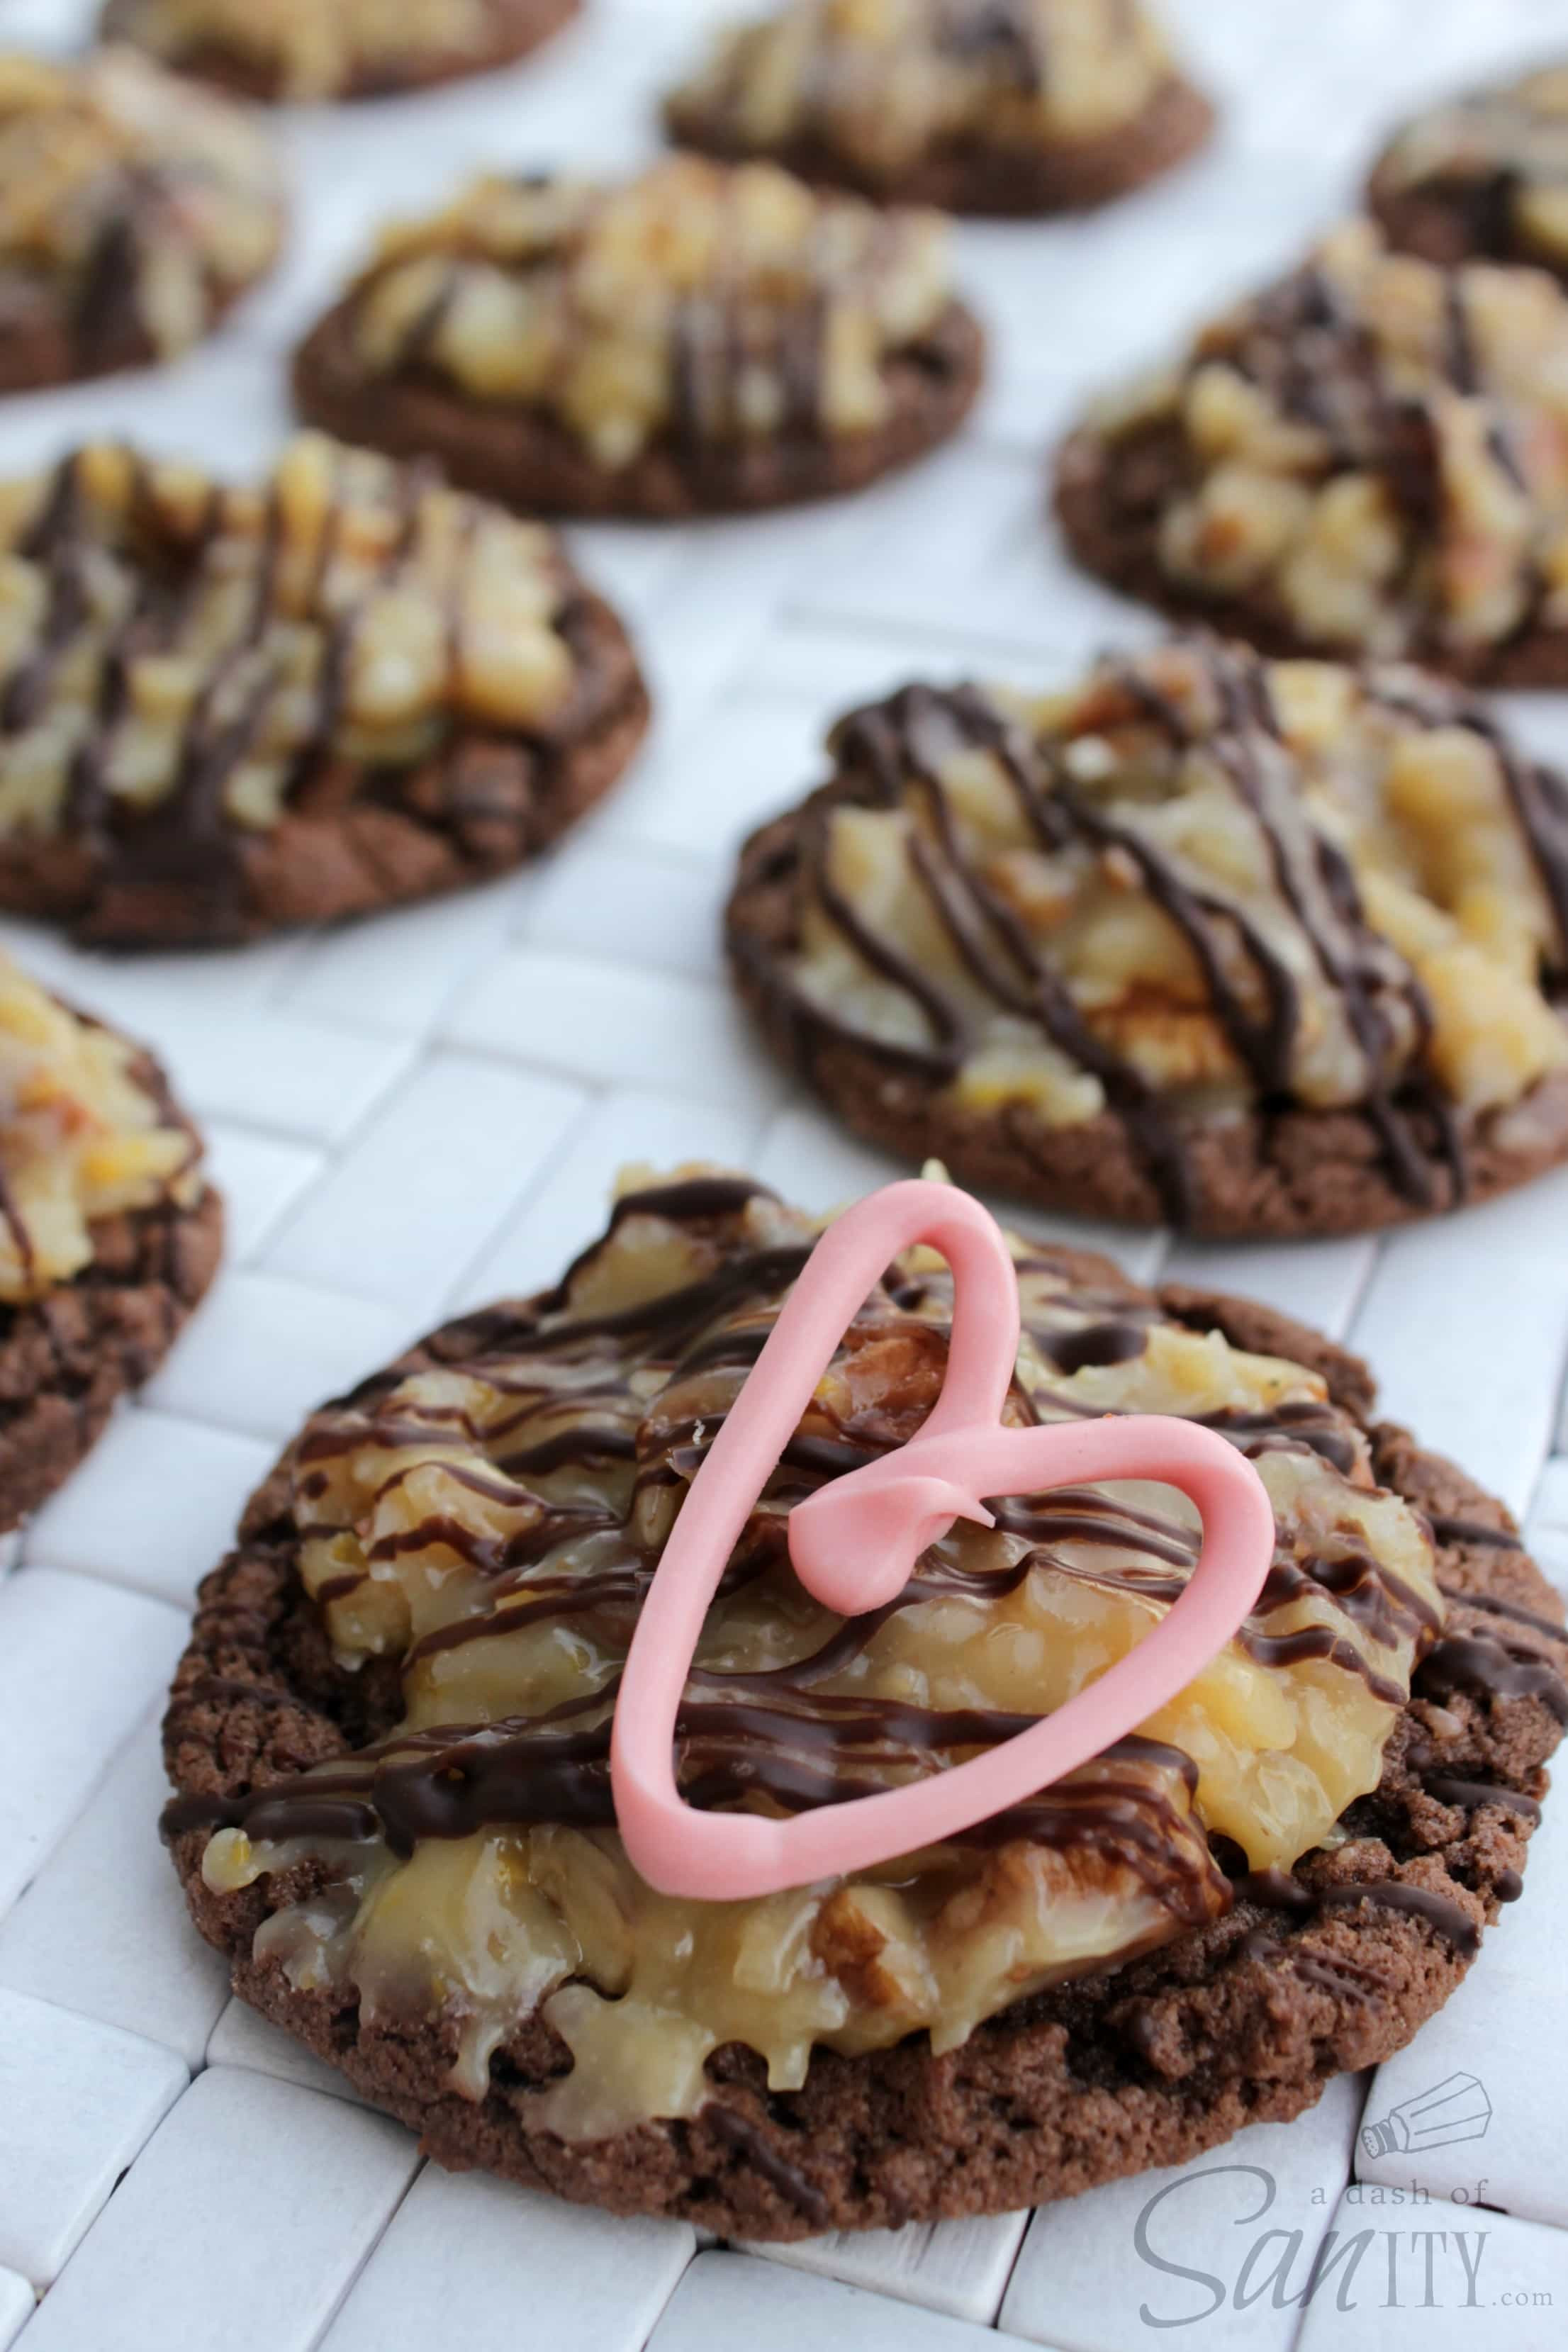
{"x": 1488, "y": 173}
{"x": 176, "y": 649}
{"x": 83, "y": 1135}
{"x": 303, "y": 50}
{"x": 489, "y": 1516}
{"x": 133, "y": 208}
{"x": 1199, "y": 884}
{"x": 1370, "y": 457}
{"x": 883, "y": 82}
{"x": 700, "y": 303}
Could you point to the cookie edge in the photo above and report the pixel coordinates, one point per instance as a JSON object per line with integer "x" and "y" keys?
{"x": 971, "y": 179}
{"x": 525, "y": 461}
{"x": 733, "y": 2167}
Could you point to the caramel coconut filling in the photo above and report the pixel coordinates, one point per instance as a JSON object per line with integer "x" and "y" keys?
{"x": 1500, "y": 156}
{"x": 120, "y": 184}
{"x": 176, "y": 648}
{"x": 311, "y": 51}
{"x": 1198, "y": 882}
{"x": 490, "y": 1519}
{"x": 883, "y": 82}
{"x": 1372, "y": 454}
{"x": 81, "y": 1138}
{"x": 718, "y": 304}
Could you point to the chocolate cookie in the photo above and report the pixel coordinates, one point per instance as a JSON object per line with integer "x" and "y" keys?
{"x": 1483, "y": 178}
{"x": 342, "y": 691}
{"x": 390, "y": 1739}
{"x": 134, "y": 212}
{"x": 700, "y": 338}
{"x": 300, "y": 50}
{"x": 1256, "y": 948}
{"x": 1025, "y": 107}
{"x": 1366, "y": 458}
{"x": 108, "y": 1234}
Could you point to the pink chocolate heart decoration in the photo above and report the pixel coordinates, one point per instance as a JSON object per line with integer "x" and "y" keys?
{"x": 854, "y": 1543}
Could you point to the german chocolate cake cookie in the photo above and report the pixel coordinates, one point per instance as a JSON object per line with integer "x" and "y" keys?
{"x": 700, "y": 338}
{"x": 979, "y": 106}
{"x": 135, "y": 211}
{"x": 109, "y": 1232}
{"x": 314, "y": 49}
{"x": 1257, "y": 948}
{"x": 391, "y": 1739}
{"x": 226, "y": 710}
{"x": 1483, "y": 178}
{"x": 1370, "y": 457}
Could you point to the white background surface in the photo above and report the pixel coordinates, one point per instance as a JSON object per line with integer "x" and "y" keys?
{"x": 427, "y": 1110}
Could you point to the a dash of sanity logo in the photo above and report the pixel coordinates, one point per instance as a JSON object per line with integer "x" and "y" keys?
{"x": 1394, "y": 2268}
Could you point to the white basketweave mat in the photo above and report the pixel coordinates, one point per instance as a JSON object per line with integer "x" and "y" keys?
{"x": 428, "y": 1109}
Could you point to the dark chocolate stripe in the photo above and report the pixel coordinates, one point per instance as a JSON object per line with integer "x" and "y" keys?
{"x": 1470, "y": 1662}
{"x": 1437, "y": 1911}
{"x": 772, "y": 1738}
{"x": 1472, "y": 1795}
{"x": 899, "y": 748}
{"x": 738, "y": 2132}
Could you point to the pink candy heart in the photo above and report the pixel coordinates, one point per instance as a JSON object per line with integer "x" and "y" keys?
{"x": 854, "y": 1543}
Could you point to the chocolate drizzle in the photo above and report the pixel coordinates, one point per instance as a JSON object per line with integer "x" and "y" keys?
{"x": 561, "y": 1370}
{"x": 137, "y": 187}
{"x": 895, "y": 755}
{"x": 737, "y": 2131}
{"x": 180, "y": 574}
{"x": 1305, "y": 343}
{"x": 1007, "y": 35}
{"x": 1538, "y": 794}
{"x": 1333, "y": 1972}
{"x": 1473, "y": 161}
{"x": 752, "y": 312}
{"x": 1440, "y": 1913}
{"x": 1494, "y": 1669}
{"x": 1472, "y": 1795}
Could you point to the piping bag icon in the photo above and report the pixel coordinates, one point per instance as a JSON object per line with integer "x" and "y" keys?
{"x": 1453, "y": 2110}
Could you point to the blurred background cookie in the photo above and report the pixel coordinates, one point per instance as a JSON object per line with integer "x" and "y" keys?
{"x": 700, "y": 338}
{"x": 1484, "y": 177}
{"x": 312, "y": 49}
{"x": 1368, "y": 457}
{"x": 109, "y": 1232}
{"x": 135, "y": 211}
{"x": 979, "y": 106}
{"x": 225, "y": 710}
{"x": 1256, "y": 948}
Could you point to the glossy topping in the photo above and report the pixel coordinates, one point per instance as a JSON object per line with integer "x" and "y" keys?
{"x": 303, "y": 49}
{"x": 133, "y": 207}
{"x": 83, "y": 1137}
{"x": 177, "y": 650}
{"x": 1198, "y": 883}
{"x": 883, "y": 82}
{"x": 1497, "y": 162}
{"x": 1371, "y": 455}
{"x": 699, "y": 302}
{"x": 855, "y": 1545}
{"x": 491, "y": 1517}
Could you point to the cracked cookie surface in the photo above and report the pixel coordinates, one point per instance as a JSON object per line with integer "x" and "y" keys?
{"x": 390, "y": 1739}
